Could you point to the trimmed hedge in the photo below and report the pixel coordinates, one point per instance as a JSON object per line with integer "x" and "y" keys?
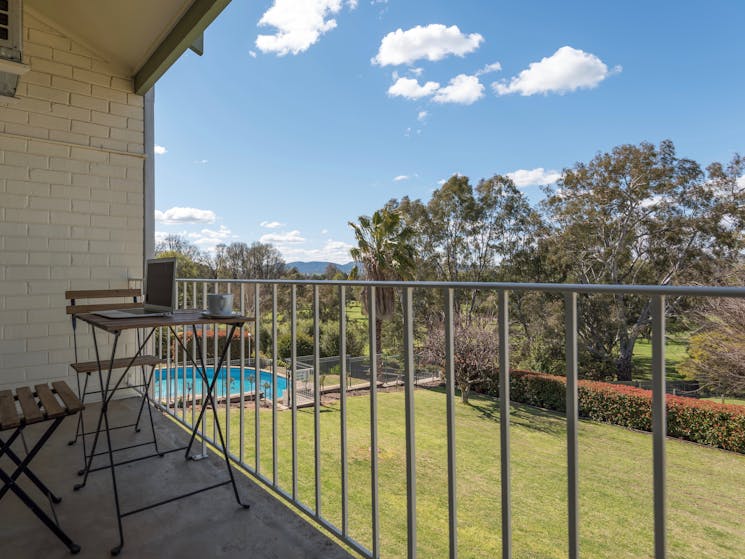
{"x": 693, "y": 420}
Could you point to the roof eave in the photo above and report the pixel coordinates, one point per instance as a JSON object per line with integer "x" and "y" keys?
{"x": 182, "y": 36}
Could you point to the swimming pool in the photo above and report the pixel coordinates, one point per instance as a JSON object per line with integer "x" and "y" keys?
{"x": 180, "y": 382}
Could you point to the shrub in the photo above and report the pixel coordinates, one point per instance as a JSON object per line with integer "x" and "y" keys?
{"x": 693, "y": 420}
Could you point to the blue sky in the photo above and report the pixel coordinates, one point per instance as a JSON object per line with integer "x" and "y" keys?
{"x": 304, "y": 114}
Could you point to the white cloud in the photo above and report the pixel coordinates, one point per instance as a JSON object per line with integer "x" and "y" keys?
{"x": 489, "y": 68}
{"x": 160, "y": 150}
{"x": 462, "y": 89}
{"x": 252, "y": 54}
{"x": 566, "y": 70}
{"x": 208, "y": 239}
{"x": 184, "y": 215}
{"x": 282, "y": 238}
{"x": 271, "y": 224}
{"x": 299, "y": 23}
{"x": 741, "y": 182}
{"x": 409, "y": 88}
{"x": 433, "y": 42}
{"x": 422, "y": 116}
{"x": 201, "y": 161}
{"x": 416, "y": 71}
{"x": 400, "y": 178}
{"x": 331, "y": 251}
{"x": 533, "y": 177}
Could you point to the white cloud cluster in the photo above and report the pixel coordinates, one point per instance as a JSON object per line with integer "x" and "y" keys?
{"x": 431, "y": 42}
{"x": 490, "y": 68}
{"x": 462, "y": 89}
{"x": 409, "y": 88}
{"x": 331, "y": 251}
{"x": 184, "y": 215}
{"x": 568, "y": 69}
{"x": 400, "y": 178}
{"x": 160, "y": 150}
{"x": 422, "y": 116}
{"x": 291, "y": 237}
{"x": 533, "y": 177}
{"x": 271, "y": 224}
{"x": 299, "y": 24}
{"x": 208, "y": 239}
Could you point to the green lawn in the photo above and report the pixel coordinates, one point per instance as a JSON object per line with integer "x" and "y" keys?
{"x": 675, "y": 354}
{"x": 728, "y": 400}
{"x": 706, "y": 487}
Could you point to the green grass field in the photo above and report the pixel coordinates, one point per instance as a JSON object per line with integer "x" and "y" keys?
{"x": 706, "y": 486}
{"x": 718, "y": 400}
{"x": 675, "y": 354}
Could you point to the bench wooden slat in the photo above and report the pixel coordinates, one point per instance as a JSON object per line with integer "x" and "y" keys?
{"x": 51, "y": 406}
{"x": 31, "y": 411}
{"x": 122, "y": 362}
{"x": 8, "y": 414}
{"x": 80, "y": 309}
{"x": 69, "y": 398}
{"x": 102, "y": 293}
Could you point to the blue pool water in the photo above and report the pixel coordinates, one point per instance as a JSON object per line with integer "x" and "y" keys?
{"x": 180, "y": 382}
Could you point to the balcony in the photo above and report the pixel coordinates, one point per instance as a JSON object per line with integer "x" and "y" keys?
{"x": 206, "y": 525}
{"x": 397, "y": 467}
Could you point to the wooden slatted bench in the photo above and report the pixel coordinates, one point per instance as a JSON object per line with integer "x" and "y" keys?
{"x": 26, "y": 407}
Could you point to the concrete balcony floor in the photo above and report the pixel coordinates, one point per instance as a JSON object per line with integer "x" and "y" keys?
{"x": 206, "y": 525}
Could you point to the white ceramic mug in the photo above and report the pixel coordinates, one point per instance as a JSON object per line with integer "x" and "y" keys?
{"x": 220, "y": 304}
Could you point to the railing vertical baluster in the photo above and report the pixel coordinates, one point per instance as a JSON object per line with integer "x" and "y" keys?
{"x": 203, "y": 392}
{"x": 257, "y": 377}
{"x": 450, "y": 394}
{"x": 374, "y": 502}
{"x": 408, "y": 294}
{"x": 504, "y": 421}
{"x": 228, "y": 379}
{"x": 169, "y": 366}
{"x": 659, "y": 422}
{"x": 293, "y": 395}
{"x": 184, "y": 361}
{"x": 570, "y": 322}
{"x": 275, "y": 449}
{"x": 215, "y": 352}
{"x": 194, "y": 353}
{"x": 242, "y": 379}
{"x": 317, "y": 397}
{"x": 343, "y": 409}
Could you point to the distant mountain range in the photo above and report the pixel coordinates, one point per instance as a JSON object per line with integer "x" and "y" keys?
{"x": 311, "y": 268}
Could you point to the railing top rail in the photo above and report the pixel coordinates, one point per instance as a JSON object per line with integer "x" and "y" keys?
{"x": 673, "y": 290}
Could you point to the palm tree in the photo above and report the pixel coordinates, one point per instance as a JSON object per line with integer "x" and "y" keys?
{"x": 385, "y": 252}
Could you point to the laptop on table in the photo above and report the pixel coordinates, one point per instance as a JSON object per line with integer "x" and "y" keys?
{"x": 160, "y": 291}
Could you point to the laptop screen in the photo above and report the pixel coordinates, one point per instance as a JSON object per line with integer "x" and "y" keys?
{"x": 160, "y": 279}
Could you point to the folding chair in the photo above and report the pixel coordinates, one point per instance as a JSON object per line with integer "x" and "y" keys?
{"x": 88, "y": 367}
{"x": 35, "y": 407}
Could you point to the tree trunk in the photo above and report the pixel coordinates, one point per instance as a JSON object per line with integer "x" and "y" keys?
{"x": 464, "y": 393}
{"x": 624, "y": 363}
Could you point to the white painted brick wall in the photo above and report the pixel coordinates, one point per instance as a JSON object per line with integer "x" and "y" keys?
{"x": 71, "y": 195}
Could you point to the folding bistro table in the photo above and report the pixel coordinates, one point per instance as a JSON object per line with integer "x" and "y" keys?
{"x": 115, "y": 327}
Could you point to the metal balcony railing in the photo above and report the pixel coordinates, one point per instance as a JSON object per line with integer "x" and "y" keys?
{"x": 177, "y": 394}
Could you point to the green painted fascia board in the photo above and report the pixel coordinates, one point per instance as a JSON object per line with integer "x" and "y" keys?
{"x": 190, "y": 26}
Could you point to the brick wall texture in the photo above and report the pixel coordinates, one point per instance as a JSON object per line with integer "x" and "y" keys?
{"x": 71, "y": 199}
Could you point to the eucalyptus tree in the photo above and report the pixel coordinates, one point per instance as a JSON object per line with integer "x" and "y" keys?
{"x": 638, "y": 215}
{"x": 385, "y": 252}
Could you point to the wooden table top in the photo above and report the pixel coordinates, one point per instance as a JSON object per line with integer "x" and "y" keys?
{"x": 186, "y": 317}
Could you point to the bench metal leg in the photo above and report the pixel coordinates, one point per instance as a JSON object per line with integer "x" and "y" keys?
{"x": 22, "y": 467}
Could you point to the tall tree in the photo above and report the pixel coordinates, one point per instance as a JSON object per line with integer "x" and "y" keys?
{"x": 385, "y": 252}
{"x": 638, "y": 215}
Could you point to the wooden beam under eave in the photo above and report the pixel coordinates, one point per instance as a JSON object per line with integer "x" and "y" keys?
{"x": 181, "y": 37}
